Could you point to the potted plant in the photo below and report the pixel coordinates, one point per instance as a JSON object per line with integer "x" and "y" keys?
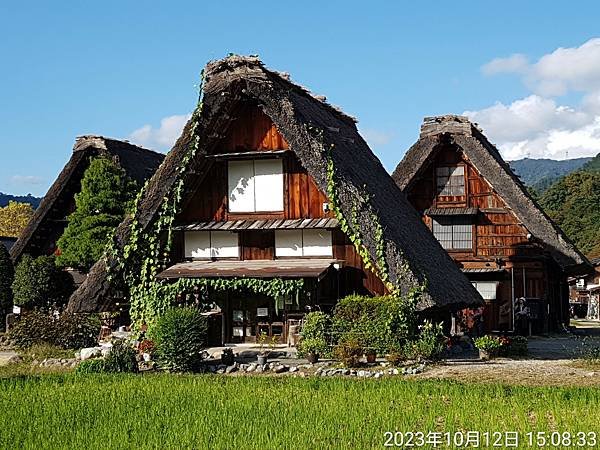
{"x": 312, "y": 348}
{"x": 263, "y": 353}
{"x": 146, "y": 348}
{"x": 371, "y": 355}
{"x": 227, "y": 357}
{"x": 488, "y": 346}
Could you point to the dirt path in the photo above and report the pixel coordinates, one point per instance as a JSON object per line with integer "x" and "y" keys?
{"x": 552, "y": 362}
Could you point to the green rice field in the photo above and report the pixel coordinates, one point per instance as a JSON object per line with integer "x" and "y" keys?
{"x": 163, "y": 411}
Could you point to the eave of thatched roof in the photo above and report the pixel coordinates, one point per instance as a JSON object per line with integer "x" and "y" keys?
{"x": 413, "y": 256}
{"x": 139, "y": 164}
{"x": 485, "y": 157}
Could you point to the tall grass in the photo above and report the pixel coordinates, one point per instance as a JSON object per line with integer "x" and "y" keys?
{"x": 171, "y": 411}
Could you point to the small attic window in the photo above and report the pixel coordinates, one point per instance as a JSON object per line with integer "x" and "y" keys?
{"x": 255, "y": 185}
{"x": 450, "y": 180}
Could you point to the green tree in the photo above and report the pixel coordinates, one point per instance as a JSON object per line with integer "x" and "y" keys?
{"x": 573, "y": 203}
{"x": 7, "y": 275}
{"x": 39, "y": 283}
{"x": 106, "y": 194}
{"x": 14, "y": 217}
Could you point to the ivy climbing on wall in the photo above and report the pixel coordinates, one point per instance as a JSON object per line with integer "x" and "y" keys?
{"x": 352, "y": 227}
{"x": 146, "y": 253}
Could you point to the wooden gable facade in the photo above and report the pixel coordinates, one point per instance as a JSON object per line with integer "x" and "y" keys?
{"x": 253, "y": 238}
{"x": 483, "y": 234}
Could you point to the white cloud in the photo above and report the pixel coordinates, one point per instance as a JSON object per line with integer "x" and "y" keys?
{"x": 537, "y": 125}
{"x": 31, "y": 180}
{"x": 163, "y": 137}
{"x": 516, "y": 63}
{"x": 556, "y": 73}
{"x": 376, "y": 138}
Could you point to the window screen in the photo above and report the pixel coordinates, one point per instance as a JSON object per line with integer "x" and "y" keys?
{"x": 453, "y": 232}
{"x": 255, "y": 185}
{"x": 487, "y": 289}
{"x": 211, "y": 244}
{"x": 315, "y": 242}
{"x": 450, "y": 180}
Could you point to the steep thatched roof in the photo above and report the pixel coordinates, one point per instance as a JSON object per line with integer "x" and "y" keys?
{"x": 413, "y": 256}
{"x": 48, "y": 221}
{"x": 486, "y": 159}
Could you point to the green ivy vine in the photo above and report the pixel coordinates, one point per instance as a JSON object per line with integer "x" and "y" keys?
{"x": 352, "y": 227}
{"x": 146, "y": 253}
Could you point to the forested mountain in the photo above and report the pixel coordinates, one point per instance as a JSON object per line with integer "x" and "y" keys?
{"x": 573, "y": 202}
{"x": 539, "y": 174}
{"x": 593, "y": 165}
{"x": 33, "y": 201}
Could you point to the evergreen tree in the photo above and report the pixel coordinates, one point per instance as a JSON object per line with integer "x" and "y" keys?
{"x": 7, "y": 274}
{"x": 106, "y": 194}
{"x": 39, "y": 283}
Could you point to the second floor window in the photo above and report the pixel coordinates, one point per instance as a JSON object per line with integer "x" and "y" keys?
{"x": 211, "y": 244}
{"x": 255, "y": 186}
{"x": 453, "y": 232}
{"x": 450, "y": 180}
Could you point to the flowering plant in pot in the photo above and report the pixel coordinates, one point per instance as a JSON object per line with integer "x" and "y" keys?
{"x": 146, "y": 348}
{"x": 266, "y": 345}
{"x": 312, "y": 348}
{"x": 488, "y": 346}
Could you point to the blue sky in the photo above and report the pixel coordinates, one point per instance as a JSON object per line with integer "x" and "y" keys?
{"x": 119, "y": 68}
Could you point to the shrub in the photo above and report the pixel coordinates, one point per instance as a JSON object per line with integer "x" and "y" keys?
{"x": 348, "y": 351}
{"x": 512, "y": 346}
{"x": 68, "y": 331}
{"x": 122, "y": 358}
{"x": 179, "y": 335}
{"x": 315, "y": 334}
{"x": 380, "y": 323}
{"x": 38, "y": 283}
{"x": 317, "y": 346}
{"x": 429, "y": 344}
{"x": 90, "y": 366}
{"x": 35, "y": 327}
{"x": 77, "y": 330}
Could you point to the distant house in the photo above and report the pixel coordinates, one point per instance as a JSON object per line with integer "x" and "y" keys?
{"x": 585, "y": 293}
{"x": 50, "y": 219}
{"x": 256, "y": 206}
{"x": 483, "y": 215}
{"x": 8, "y": 241}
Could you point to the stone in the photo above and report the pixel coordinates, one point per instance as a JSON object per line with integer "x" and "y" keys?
{"x": 231, "y": 369}
{"x": 14, "y": 359}
{"x": 259, "y": 369}
{"x": 345, "y": 371}
{"x": 251, "y": 367}
{"x": 90, "y": 352}
{"x": 279, "y": 369}
{"x": 395, "y": 371}
{"x": 361, "y": 373}
{"x": 220, "y": 371}
{"x": 378, "y": 375}
{"x": 293, "y": 369}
